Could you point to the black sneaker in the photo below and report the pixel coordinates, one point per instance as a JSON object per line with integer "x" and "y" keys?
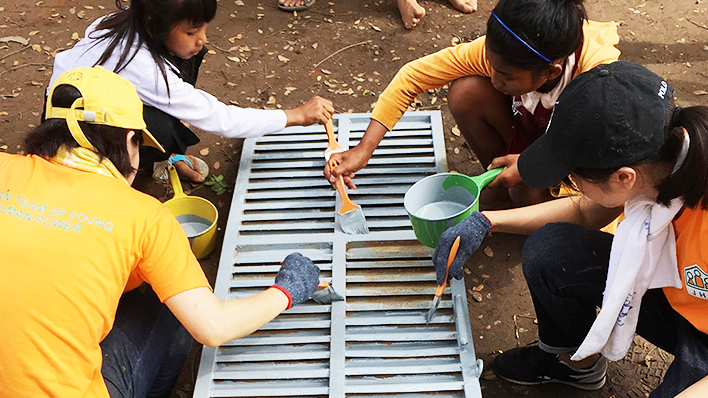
{"x": 530, "y": 365}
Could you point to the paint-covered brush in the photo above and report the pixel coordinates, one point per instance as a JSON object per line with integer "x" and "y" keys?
{"x": 325, "y": 294}
{"x": 332, "y": 144}
{"x": 441, "y": 288}
{"x": 351, "y": 217}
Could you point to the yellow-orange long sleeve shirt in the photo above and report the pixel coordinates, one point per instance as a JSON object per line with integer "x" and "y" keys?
{"x": 470, "y": 59}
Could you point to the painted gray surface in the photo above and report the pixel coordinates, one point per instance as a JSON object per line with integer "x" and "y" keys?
{"x": 376, "y": 343}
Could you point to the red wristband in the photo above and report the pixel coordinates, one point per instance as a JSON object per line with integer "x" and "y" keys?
{"x": 491, "y": 226}
{"x": 287, "y": 294}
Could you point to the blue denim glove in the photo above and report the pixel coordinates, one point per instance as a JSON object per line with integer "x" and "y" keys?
{"x": 472, "y": 231}
{"x": 298, "y": 278}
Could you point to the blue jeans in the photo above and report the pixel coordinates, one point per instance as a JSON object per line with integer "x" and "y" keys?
{"x": 565, "y": 266}
{"x": 144, "y": 353}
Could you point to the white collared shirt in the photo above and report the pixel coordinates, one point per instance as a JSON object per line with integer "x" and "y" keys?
{"x": 196, "y": 107}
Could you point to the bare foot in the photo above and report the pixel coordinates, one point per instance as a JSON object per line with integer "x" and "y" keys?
{"x": 464, "y": 6}
{"x": 183, "y": 169}
{"x": 412, "y": 12}
{"x": 291, "y": 3}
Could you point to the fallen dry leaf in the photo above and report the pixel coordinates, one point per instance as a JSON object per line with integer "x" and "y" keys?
{"x": 271, "y": 100}
{"x": 326, "y": 72}
{"x": 34, "y": 32}
{"x": 456, "y": 130}
{"x": 376, "y": 28}
{"x": 467, "y": 271}
{"x": 457, "y": 151}
{"x": 478, "y": 288}
{"x": 3, "y": 147}
{"x": 204, "y": 151}
{"x": 14, "y": 39}
{"x": 476, "y": 296}
{"x": 4, "y": 113}
{"x": 75, "y": 36}
{"x": 315, "y": 46}
{"x": 217, "y": 165}
{"x": 700, "y": 92}
{"x": 283, "y": 59}
{"x": 489, "y": 252}
{"x": 234, "y": 59}
{"x": 37, "y": 47}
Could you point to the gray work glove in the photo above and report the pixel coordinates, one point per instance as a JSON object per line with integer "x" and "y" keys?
{"x": 298, "y": 278}
{"x": 472, "y": 231}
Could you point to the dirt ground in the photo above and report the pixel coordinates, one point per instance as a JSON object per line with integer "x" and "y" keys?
{"x": 347, "y": 51}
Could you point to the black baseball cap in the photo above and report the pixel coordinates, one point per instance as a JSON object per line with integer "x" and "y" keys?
{"x": 613, "y": 115}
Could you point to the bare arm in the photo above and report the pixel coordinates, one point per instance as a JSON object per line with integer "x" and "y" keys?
{"x": 699, "y": 389}
{"x": 574, "y": 209}
{"x": 315, "y": 110}
{"x": 213, "y": 322}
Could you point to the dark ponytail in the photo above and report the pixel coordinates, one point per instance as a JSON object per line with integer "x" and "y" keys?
{"x": 690, "y": 181}
{"x": 46, "y": 139}
{"x": 149, "y": 22}
{"x": 554, "y": 28}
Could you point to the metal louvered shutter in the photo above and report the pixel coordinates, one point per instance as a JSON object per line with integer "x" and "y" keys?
{"x": 376, "y": 343}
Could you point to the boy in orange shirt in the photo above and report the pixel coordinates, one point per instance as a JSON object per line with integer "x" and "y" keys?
{"x": 504, "y": 87}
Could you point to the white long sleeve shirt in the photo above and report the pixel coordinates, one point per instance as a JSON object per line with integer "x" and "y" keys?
{"x": 196, "y": 107}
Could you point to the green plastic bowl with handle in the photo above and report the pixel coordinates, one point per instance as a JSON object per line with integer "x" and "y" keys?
{"x": 439, "y": 201}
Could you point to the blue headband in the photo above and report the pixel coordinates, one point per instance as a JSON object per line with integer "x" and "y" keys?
{"x": 520, "y": 39}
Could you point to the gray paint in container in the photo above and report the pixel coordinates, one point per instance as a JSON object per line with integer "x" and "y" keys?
{"x": 440, "y": 210}
{"x": 193, "y": 225}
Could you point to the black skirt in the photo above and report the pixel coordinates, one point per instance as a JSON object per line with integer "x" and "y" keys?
{"x": 169, "y": 131}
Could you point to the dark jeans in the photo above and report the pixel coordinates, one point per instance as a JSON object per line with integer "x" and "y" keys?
{"x": 565, "y": 266}
{"x": 144, "y": 353}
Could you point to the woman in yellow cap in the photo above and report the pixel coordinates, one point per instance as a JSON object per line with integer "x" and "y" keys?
{"x": 75, "y": 236}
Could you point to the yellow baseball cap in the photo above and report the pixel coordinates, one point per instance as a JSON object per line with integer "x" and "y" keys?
{"x": 106, "y": 98}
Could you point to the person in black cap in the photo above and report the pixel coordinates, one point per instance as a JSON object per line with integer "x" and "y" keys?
{"x": 617, "y": 137}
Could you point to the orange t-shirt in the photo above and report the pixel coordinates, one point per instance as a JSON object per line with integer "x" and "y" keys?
{"x": 691, "y": 302}
{"x": 69, "y": 240}
{"x": 470, "y": 59}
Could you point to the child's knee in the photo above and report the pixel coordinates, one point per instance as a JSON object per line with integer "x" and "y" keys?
{"x": 467, "y": 91}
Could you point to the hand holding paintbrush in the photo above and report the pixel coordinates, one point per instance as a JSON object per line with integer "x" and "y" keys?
{"x": 351, "y": 217}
